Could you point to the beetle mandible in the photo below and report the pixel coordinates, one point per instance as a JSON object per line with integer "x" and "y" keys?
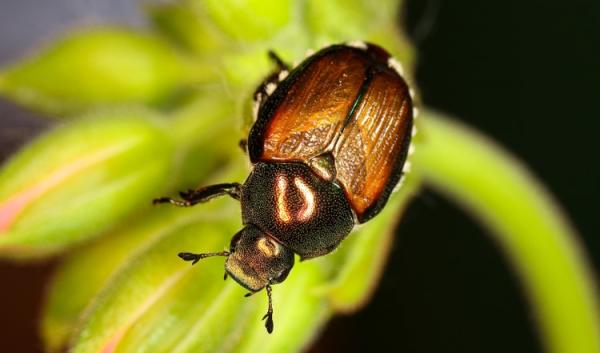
{"x": 328, "y": 146}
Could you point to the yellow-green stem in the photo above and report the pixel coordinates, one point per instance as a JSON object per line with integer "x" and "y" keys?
{"x": 542, "y": 246}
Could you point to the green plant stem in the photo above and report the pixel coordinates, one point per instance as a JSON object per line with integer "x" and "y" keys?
{"x": 542, "y": 246}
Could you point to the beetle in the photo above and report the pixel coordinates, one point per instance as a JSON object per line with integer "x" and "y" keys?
{"x": 329, "y": 144}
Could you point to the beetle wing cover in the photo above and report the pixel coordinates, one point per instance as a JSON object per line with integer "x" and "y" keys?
{"x": 372, "y": 148}
{"x": 306, "y": 113}
{"x": 347, "y": 102}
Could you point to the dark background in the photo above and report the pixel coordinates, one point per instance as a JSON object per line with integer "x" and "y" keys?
{"x": 524, "y": 72}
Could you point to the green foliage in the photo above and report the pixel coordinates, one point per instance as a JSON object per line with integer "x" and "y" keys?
{"x": 182, "y": 92}
{"x": 77, "y": 180}
{"x": 94, "y": 68}
{"x": 493, "y": 187}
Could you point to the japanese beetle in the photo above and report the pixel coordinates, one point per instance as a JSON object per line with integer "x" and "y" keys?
{"x": 328, "y": 146}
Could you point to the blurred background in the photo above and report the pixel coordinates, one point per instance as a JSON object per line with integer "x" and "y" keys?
{"x": 523, "y": 72}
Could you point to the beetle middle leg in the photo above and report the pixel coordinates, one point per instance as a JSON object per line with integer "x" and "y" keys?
{"x": 207, "y": 193}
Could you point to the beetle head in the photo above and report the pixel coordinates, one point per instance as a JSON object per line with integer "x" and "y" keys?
{"x": 256, "y": 260}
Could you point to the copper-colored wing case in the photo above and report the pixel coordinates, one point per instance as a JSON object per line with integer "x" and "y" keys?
{"x": 348, "y": 102}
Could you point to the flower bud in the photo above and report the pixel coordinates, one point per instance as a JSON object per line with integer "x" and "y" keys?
{"x": 95, "y": 67}
{"x": 247, "y": 20}
{"x": 79, "y": 179}
{"x": 78, "y": 279}
{"x": 186, "y": 28}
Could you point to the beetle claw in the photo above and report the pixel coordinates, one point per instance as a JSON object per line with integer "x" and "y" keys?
{"x": 179, "y": 203}
{"x": 269, "y": 323}
{"x": 160, "y": 200}
{"x": 186, "y": 194}
{"x": 186, "y": 256}
{"x": 269, "y": 314}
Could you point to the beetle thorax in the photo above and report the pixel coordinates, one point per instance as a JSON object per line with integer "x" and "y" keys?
{"x": 297, "y": 207}
{"x": 295, "y": 199}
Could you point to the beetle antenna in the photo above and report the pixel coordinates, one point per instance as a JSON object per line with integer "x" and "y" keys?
{"x": 269, "y": 314}
{"x": 188, "y": 256}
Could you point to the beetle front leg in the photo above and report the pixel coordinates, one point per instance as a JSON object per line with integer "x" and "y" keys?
{"x": 207, "y": 193}
{"x": 269, "y": 315}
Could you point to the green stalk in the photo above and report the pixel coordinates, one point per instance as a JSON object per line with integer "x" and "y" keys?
{"x": 542, "y": 246}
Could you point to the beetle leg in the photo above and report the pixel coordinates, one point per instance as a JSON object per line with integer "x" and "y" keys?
{"x": 269, "y": 314}
{"x": 278, "y": 61}
{"x": 262, "y": 91}
{"x": 207, "y": 193}
{"x": 274, "y": 77}
{"x": 188, "y": 256}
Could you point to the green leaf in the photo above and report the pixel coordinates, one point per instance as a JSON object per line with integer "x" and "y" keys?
{"x": 158, "y": 303}
{"x": 80, "y": 276}
{"x": 537, "y": 238}
{"x": 206, "y": 133}
{"x": 153, "y": 277}
{"x": 78, "y": 180}
{"x": 98, "y": 67}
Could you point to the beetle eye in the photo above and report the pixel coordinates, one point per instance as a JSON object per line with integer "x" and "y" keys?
{"x": 281, "y": 276}
{"x": 234, "y": 241}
